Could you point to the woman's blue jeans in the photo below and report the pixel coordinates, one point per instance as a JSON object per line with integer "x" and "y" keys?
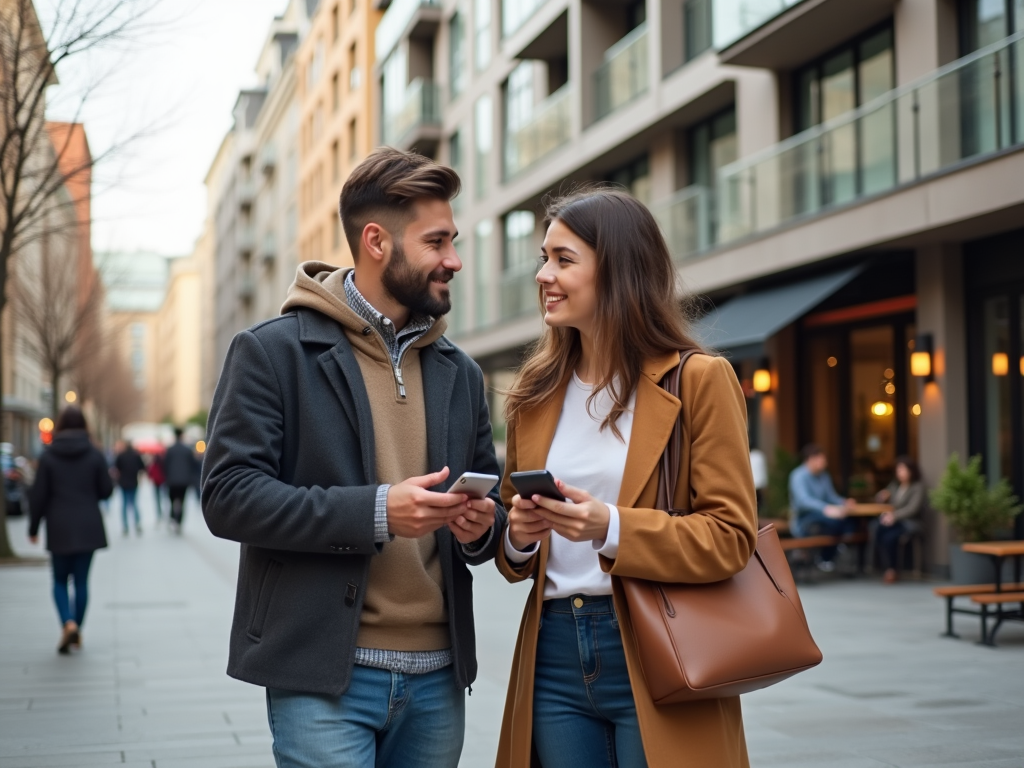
{"x": 583, "y": 710}
{"x": 65, "y": 567}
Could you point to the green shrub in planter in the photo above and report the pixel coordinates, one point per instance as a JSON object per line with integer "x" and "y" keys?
{"x": 976, "y": 512}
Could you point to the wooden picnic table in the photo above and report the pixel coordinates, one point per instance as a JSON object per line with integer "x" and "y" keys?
{"x": 999, "y": 551}
{"x": 868, "y": 510}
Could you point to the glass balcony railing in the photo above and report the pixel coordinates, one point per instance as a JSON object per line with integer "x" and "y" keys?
{"x": 517, "y": 293}
{"x": 733, "y": 19}
{"x": 685, "y": 220}
{"x": 549, "y": 128}
{"x": 623, "y": 74}
{"x": 421, "y": 106}
{"x": 514, "y": 14}
{"x": 965, "y": 111}
{"x": 393, "y": 23}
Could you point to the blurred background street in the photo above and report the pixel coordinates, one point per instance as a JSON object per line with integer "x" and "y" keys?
{"x": 148, "y": 689}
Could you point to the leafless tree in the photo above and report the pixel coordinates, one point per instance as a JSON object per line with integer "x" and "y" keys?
{"x": 34, "y": 171}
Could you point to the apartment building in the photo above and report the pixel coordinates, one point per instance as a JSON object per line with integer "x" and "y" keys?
{"x": 337, "y": 129}
{"x": 840, "y": 179}
{"x": 178, "y": 350}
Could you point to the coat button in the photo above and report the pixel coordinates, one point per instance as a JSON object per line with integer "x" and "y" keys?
{"x": 578, "y": 602}
{"x": 367, "y": 331}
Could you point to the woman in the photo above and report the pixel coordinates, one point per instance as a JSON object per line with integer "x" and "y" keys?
{"x": 71, "y": 479}
{"x": 588, "y": 407}
{"x": 908, "y": 496}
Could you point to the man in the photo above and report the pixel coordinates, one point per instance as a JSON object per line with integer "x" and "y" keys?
{"x": 334, "y": 432}
{"x": 128, "y": 464}
{"x": 817, "y": 506}
{"x": 180, "y": 473}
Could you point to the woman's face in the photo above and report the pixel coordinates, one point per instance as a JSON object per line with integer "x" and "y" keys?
{"x": 903, "y": 474}
{"x": 568, "y": 275}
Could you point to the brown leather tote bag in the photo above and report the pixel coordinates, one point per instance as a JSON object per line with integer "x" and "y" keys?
{"x": 705, "y": 641}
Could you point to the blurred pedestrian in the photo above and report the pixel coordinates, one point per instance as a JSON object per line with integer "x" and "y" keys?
{"x": 817, "y": 506}
{"x": 158, "y": 477}
{"x": 71, "y": 479}
{"x": 587, "y": 406}
{"x": 128, "y": 465}
{"x": 908, "y": 497}
{"x": 180, "y": 466}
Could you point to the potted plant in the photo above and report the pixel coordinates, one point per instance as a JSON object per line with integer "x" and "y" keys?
{"x": 977, "y": 513}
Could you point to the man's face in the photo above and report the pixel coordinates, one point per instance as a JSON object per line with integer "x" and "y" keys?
{"x": 423, "y": 260}
{"x": 817, "y": 463}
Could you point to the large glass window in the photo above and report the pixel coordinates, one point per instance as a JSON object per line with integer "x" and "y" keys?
{"x": 520, "y": 254}
{"x": 481, "y": 34}
{"x": 457, "y": 54}
{"x": 712, "y": 147}
{"x": 483, "y": 139}
{"x": 483, "y": 235}
{"x": 1000, "y": 370}
{"x": 696, "y": 27}
{"x": 635, "y": 176}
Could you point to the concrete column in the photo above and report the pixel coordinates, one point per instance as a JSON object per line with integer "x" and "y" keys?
{"x": 925, "y": 37}
{"x": 942, "y": 425}
{"x": 757, "y": 110}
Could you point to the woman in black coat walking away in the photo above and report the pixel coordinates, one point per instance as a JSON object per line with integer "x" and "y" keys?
{"x": 71, "y": 479}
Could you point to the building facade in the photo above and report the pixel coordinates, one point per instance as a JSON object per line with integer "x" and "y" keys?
{"x": 840, "y": 181}
{"x": 178, "y": 349}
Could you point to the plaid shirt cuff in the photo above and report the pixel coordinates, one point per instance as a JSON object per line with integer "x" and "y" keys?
{"x": 380, "y": 516}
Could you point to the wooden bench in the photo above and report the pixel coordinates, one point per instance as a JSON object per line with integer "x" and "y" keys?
{"x": 997, "y": 599}
{"x": 802, "y": 543}
{"x": 973, "y": 591}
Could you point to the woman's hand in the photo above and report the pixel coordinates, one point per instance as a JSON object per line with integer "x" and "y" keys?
{"x": 887, "y": 519}
{"x": 883, "y": 496}
{"x": 525, "y": 526}
{"x": 586, "y": 519}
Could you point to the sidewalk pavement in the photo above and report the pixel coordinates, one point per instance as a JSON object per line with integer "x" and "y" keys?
{"x": 149, "y": 688}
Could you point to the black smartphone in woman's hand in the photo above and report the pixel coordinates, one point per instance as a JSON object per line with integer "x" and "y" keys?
{"x": 536, "y": 482}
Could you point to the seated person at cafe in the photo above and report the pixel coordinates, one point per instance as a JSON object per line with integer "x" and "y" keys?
{"x": 908, "y": 497}
{"x": 817, "y": 508}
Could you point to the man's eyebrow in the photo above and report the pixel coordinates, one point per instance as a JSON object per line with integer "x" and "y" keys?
{"x": 439, "y": 233}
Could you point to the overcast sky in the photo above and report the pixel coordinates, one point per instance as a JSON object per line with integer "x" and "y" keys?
{"x": 183, "y": 74}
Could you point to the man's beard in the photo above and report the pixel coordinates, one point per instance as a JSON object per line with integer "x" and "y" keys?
{"x": 411, "y": 288}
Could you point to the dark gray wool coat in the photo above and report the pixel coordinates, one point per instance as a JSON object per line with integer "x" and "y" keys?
{"x": 289, "y": 472}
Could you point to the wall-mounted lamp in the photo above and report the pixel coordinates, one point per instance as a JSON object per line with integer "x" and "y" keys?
{"x": 1000, "y": 364}
{"x": 763, "y": 377}
{"x": 921, "y": 357}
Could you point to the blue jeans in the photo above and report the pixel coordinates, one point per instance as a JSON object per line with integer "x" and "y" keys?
{"x": 128, "y": 500}
{"x": 816, "y": 523}
{"x": 71, "y": 566}
{"x": 583, "y": 710}
{"x": 384, "y": 719}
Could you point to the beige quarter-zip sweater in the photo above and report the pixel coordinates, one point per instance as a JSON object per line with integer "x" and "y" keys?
{"x": 404, "y": 608}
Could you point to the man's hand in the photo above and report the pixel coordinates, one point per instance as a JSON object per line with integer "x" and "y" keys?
{"x": 834, "y": 511}
{"x": 475, "y": 521}
{"x": 525, "y": 526}
{"x": 585, "y": 519}
{"x": 413, "y": 511}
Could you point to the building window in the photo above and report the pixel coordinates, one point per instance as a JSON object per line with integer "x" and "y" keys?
{"x": 481, "y": 34}
{"x": 353, "y": 142}
{"x": 455, "y": 161}
{"x": 335, "y": 25}
{"x": 635, "y": 176}
{"x": 696, "y": 27}
{"x": 983, "y": 22}
{"x": 335, "y": 232}
{"x": 457, "y": 54}
{"x": 335, "y": 92}
{"x": 483, "y": 137}
{"x": 354, "y": 75}
{"x": 712, "y": 147}
{"x": 335, "y": 162}
{"x": 482, "y": 235}
{"x": 316, "y": 65}
{"x": 520, "y": 255}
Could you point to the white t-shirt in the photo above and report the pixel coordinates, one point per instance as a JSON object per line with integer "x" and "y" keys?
{"x": 587, "y": 457}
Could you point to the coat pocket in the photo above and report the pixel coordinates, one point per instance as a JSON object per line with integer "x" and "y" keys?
{"x": 269, "y": 583}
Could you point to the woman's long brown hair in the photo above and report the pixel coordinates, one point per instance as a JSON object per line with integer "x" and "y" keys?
{"x": 639, "y": 309}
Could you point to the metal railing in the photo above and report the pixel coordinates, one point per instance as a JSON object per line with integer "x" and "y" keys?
{"x": 517, "y": 293}
{"x": 965, "y": 111}
{"x": 393, "y": 23}
{"x": 549, "y": 128}
{"x": 421, "y": 106}
{"x": 623, "y": 75}
{"x": 733, "y": 19}
{"x": 686, "y": 222}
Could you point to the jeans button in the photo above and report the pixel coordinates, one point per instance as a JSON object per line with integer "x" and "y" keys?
{"x": 578, "y": 602}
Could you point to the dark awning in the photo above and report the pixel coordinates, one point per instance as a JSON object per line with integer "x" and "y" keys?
{"x": 741, "y": 326}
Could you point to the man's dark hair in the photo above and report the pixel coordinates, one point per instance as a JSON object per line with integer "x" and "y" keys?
{"x": 70, "y": 418}
{"x": 178, "y": 432}
{"x": 384, "y": 186}
{"x": 811, "y": 450}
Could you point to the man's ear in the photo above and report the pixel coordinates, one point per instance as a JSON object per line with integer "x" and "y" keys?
{"x": 375, "y": 242}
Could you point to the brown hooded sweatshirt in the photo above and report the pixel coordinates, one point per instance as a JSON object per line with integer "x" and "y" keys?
{"x": 404, "y": 608}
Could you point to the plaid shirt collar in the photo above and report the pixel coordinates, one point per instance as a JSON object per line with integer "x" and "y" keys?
{"x": 396, "y": 341}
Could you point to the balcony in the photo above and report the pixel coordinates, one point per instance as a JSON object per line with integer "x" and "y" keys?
{"x": 959, "y": 115}
{"x": 268, "y": 250}
{"x": 517, "y": 294}
{"x": 245, "y": 240}
{"x": 268, "y": 159}
{"x": 416, "y": 18}
{"x": 623, "y": 75}
{"x": 417, "y": 120}
{"x": 514, "y": 14}
{"x": 246, "y": 192}
{"x": 685, "y": 220}
{"x": 783, "y": 34}
{"x": 548, "y": 128}
{"x": 246, "y": 288}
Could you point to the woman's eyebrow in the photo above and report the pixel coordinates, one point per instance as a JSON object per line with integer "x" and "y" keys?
{"x": 558, "y": 248}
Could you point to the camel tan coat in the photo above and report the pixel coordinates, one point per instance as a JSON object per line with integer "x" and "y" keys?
{"x": 712, "y": 543}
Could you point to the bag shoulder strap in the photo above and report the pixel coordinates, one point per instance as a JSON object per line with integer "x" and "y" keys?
{"x": 671, "y": 383}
